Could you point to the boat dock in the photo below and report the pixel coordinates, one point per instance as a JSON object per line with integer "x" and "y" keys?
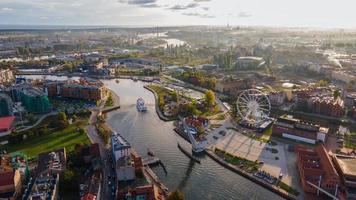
{"x": 149, "y": 161}
{"x": 156, "y": 180}
{"x": 188, "y": 154}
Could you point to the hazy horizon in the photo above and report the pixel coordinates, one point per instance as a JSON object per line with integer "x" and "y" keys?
{"x": 152, "y": 13}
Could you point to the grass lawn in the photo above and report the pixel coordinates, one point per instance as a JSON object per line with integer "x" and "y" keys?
{"x": 220, "y": 117}
{"x": 243, "y": 163}
{"x": 64, "y": 138}
{"x": 349, "y": 143}
{"x": 268, "y": 132}
{"x": 288, "y": 188}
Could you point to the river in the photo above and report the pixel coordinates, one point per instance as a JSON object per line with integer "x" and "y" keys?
{"x": 207, "y": 180}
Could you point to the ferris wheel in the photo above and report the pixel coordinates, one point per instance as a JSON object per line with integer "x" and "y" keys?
{"x": 253, "y": 105}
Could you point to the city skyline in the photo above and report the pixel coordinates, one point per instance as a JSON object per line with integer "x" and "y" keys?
{"x": 277, "y": 13}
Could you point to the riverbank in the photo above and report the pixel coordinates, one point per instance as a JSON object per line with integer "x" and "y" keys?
{"x": 237, "y": 170}
{"x": 158, "y": 110}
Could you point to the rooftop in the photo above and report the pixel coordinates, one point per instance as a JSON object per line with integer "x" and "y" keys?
{"x": 33, "y": 92}
{"x": 54, "y": 160}
{"x": 118, "y": 142}
{"x": 43, "y": 187}
{"x": 347, "y": 164}
{"x": 6, "y": 122}
{"x": 7, "y": 178}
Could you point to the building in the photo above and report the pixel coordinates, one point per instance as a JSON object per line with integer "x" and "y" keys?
{"x": 94, "y": 187}
{"x": 344, "y": 76}
{"x": 6, "y": 105}
{"x": 232, "y": 86}
{"x": 53, "y": 162}
{"x": 276, "y": 98}
{"x": 35, "y": 100}
{"x": 135, "y": 62}
{"x": 10, "y": 184}
{"x": 121, "y": 151}
{"x": 6, "y": 76}
{"x": 350, "y": 100}
{"x": 145, "y": 192}
{"x": 249, "y": 62}
{"x": 82, "y": 89}
{"x": 315, "y": 166}
{"x": 288, "y": 127}
{"x": 353, "y": 113}
{"x": 327, "y": 106}
{"x": 45, "y": 183}
{"x": 6, "y": 125}
{"x": 90, "y": 152}
{"x": 346, "y": 167}
{"x": 45, "y": 186}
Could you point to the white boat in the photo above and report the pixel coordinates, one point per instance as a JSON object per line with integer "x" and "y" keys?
{"x": 140, "y": 104}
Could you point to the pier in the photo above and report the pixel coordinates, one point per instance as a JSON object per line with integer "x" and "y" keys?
{"x": 149, "y": 161}
{"x": 156, "y": 180}
{"x": 153, "y": 161}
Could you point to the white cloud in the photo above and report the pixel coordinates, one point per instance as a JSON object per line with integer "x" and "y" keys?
{"x": 159, "y": 12}
{"x": 6, "y": 10}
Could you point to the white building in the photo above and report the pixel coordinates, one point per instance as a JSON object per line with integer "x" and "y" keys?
{"x": 121, "y": 151}
{"x": 6, "y": 76}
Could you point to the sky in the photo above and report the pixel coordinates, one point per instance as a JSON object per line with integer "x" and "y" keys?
{"x": 279, "y": 13}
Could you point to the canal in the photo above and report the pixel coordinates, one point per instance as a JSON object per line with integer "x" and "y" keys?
{"x": 207, "y": 180}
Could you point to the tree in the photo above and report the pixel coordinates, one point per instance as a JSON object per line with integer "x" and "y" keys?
{"x": 109, "y": 101}
{"x": 74, "y": 118}
{"x": 322, "y": 83}
{"x": 336, "y": 94}
{"x": 31, "y": 118}
{"x": 210, "y": 99}
{"x": 68, "y": 181}
{"x": 62, "y": 119}
{"x": 175, "y": 195}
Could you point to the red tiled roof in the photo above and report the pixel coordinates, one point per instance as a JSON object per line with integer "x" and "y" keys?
{"x": 7, "y": 178}
{"x": 88, "y": 197}
{"x": 6, "y": 122}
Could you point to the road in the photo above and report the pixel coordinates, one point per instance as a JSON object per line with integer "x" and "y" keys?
{"x": 108, "y": 183}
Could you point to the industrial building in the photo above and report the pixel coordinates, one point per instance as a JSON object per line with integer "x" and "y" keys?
{"x": 288, "y": 127}
{"x": 6, "y": 105}
{"x": 316, "y": 168}
{"x": 35, "y": 100}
